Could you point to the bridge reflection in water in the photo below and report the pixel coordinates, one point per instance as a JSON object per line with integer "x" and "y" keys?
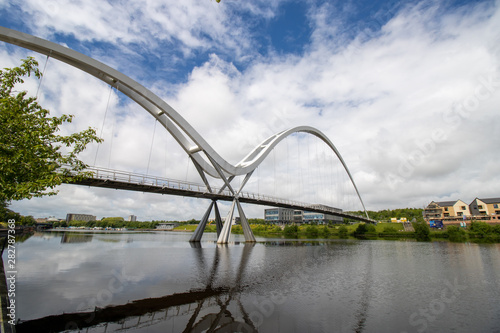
{"x": 209, "y": 309}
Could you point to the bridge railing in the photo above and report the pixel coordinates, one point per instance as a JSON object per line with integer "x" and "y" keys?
{"x": 141, "y": 179}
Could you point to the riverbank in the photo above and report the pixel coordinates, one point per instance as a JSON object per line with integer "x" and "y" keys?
{"x": 479, "y": 232}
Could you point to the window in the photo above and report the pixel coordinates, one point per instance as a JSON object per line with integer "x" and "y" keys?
{"x": 446, "y": 209}
{"x": 495, "y": 206}
{"x": 480, "y": 206}
{"x": 463, "y": 207}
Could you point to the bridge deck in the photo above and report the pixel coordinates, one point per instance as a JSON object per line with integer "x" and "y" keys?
{"x": 135, "y": 182}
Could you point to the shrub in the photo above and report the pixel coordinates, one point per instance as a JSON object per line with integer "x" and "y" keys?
{"x": 343, "y": 231}
{"x": 480, "y": 229}
{"x": 364, "y": 228}
{"x": 291, "y": 230}
{"x": 361, "y": 229}
{"x": 370, "y": 228}
{"x": 312, "y": 231}
{"x": 422, "y": 231}
{"x": 455, "y": 233}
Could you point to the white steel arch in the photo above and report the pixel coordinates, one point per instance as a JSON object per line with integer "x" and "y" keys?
{"x": 187, "y": 137}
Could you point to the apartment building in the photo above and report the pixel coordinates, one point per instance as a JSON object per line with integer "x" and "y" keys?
{"x": 455, "y": 211}
{"x": 484, "y": 207}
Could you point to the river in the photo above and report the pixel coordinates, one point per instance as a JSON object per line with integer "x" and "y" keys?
{"x": 159, "y": 282}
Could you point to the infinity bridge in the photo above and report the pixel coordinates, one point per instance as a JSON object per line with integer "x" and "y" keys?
{"x": 207, "y": 161}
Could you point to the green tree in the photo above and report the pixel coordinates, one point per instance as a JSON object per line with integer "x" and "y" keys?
{"x": 291, "y": 230}
{"x": 312, "y": 231}
{"x": 422, "y": 231}
{"x": 343, "y": 231}
{"x": 480, "y": 229}
{"x": 364, "y": 228}
{"x": 455, "y": 233}
{"x": 34, "y": 159}
{"x": 27, "y": 220}
{"x": 496, "y": 229}
{"x": 361, "y": 229}
{"x": 325, "y": 231}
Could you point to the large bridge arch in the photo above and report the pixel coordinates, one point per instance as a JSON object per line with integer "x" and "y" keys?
{"x": 188, "y": 138}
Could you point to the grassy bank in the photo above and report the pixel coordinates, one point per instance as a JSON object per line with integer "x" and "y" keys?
{"x": 477, "y": 232}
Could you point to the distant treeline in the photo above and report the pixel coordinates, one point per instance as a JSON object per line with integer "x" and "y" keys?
{"x": 386, "y": 214}
{"x": 107, "y": 224}
{"x": 7, "y": 214}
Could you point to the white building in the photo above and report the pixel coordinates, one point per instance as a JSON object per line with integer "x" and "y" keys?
{"x": 165, "y": 226}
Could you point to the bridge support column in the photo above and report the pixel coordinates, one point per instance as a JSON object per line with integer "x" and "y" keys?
{"x": 218, "y": 220}
{"x": 226, "y": 230}
{"x": 198, "y": 233}
{"x": 247, "y": 231}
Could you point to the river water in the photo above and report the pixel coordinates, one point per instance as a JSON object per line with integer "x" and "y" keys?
{"x": 159, "y": 282}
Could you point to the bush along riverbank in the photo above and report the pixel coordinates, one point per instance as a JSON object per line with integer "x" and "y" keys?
{"x": 480, "y": 232}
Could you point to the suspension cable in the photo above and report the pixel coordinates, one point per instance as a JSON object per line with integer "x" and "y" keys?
{"x": 103, "y": 122}
{"x": 43, "y": 74}
{"x": 166, "y": 150}
{"x": 187, "y": 167}
{"x": 274, "y": 164}
{"x": 151, "y": 148}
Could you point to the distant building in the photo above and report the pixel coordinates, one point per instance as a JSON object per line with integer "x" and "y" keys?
{"x": 433, "y": 211}
{"x": 80, "y": 217}
{"x": 279, "y": 215}
{"x": 132, "y": 218}
{"x": 298, "y": 216}
{"x": 322, "y": 218}
{"x": 453, "y": 212}
{"x": 286, "y": 215}
{"x": 53, "y": 219}
{"x": 166, "y": 226}
{"x": 484, "y": 207}
{"x": 443, "y": 209}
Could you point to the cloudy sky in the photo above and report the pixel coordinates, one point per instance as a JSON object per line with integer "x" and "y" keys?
{"x": 409, "y": 92}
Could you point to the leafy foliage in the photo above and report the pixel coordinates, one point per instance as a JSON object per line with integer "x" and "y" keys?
{"x": 7, "y": 214}
{"x": 109, "y": 223}
{"x": 364, "y": 228}
{"x": 343, "y": 231}
{"x": 291, "y": 230}
{"x": 480, "y": 228}
{"x": 312, "y": 231}
{"x": 387, "y": 214}
{"x": 456, "y": 234}
{"x": 422, "y": 231}
{"x": 33, "y": 158}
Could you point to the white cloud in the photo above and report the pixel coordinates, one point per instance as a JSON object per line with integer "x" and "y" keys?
{"x": 187, "y": 25}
